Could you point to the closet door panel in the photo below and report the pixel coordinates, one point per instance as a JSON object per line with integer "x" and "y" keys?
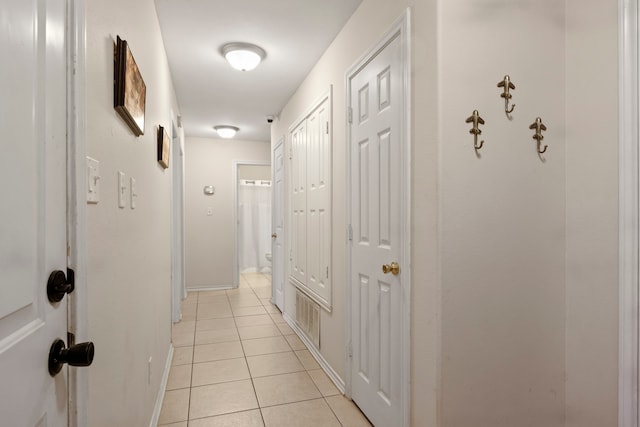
{"x": 299, "y": 204}
{"x": 311, "y": 204}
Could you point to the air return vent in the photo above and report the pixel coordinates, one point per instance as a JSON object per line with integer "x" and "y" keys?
{"x": 308, "y": 317}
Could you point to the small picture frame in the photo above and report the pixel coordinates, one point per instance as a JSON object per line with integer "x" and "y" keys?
{"x": 163, "y": 147}
{"x": 129, "y": 91}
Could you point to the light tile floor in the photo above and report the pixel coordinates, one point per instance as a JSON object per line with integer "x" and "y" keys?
{"x": 237, "y": 363}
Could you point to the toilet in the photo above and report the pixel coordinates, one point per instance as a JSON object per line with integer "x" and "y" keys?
{"x": 267, "y": 269}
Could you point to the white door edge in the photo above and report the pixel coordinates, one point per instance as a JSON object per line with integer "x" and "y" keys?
{"x": 76, "y": 206}
{"x": 628, "y": 214}
{"x": 273, "y": 223}
{"x": 236, "y": 244}
{"x": 402, "y": 27}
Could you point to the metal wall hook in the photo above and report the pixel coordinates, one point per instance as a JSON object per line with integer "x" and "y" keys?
{"x": 475, "y": 130}
{"x": 539, "y": 127}
{"x": 507, "y": 85}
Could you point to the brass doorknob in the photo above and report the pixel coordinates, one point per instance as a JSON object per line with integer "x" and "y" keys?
{"x": 274, "y": 235}
{"x": 394, "y": 268}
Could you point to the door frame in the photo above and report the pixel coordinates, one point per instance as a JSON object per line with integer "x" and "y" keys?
{"x": 402, "y": 27}
{"x": 178, "y": 280}
{"x": 273, "y": 223}
{"x": 78, "y": 400}
{"x": 629, "y": 213}
{"x": 236, "y": 244}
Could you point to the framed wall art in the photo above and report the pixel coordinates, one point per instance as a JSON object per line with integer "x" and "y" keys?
{"x": 129, "y": 92}
{"x": 163, "y": 147}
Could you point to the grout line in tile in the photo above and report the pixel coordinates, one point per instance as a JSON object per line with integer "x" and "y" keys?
{"x": 333, "y": 412}
{"x": 217, "y": 360}
{"x": 255, "y": 394}
{"x": 297, "y": 401}
{"x": 193, "y": 355}
{"x": 354, "y": 404}
{"x": 220, "y": 415}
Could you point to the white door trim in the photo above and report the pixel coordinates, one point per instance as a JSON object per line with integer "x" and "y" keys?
{"x": 77, "y": 206}
{"x": 236, "y": 245}
{"x": 629, "y": 214}
{"x": 273, "y": 220}
{"x": 178, "y": 282}
{"x": 402, "y": 27}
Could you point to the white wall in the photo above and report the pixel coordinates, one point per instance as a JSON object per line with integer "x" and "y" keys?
{"x": 254, "y": 172}
{"x": 502, "y": 215}
{"x": 128, "y": 274}
{"x": 592, "y": 213}
{"x": 209, "y": 240}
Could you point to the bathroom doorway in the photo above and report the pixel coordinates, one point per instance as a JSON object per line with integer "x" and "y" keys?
{"x": 253, "y": 219}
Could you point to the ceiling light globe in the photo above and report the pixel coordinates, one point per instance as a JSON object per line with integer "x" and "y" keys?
{"x": 226, "y": 132}
{"x": 243, "y": 60}
{"x": 243, "y": 56}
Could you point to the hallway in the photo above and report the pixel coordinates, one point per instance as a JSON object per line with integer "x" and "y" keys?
{"x": 237, "y": 363}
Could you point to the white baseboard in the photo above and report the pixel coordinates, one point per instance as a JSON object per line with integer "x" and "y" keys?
{"x": 163, "y": 387}
{"x": 326, "y": 367}
{"x": 210, "y": 288}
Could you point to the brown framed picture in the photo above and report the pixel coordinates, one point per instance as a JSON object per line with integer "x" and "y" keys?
{"x": 129, "y": 92}
{"x": 163, "y": 147}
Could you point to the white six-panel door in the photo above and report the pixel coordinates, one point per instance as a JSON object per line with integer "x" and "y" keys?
{"x": 33, "y": 222}
{"x": 376, "y": 224}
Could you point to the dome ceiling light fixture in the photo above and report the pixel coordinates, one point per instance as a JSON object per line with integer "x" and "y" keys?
{"x": 226, "y": 131}
{"x": 243, "y": 56}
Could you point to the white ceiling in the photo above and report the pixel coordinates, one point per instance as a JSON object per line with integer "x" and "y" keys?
{"x": 294, "y": 33}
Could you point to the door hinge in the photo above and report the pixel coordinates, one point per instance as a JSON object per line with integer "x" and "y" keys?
{"x": 350, "y": 350}
{"x": 350, "y": 112}
{"x": 350, "y": 233}
{"x": 327, "y": 272}
{"x": 327, "y": 123}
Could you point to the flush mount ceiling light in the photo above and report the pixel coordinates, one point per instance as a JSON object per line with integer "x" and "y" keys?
{"x": 243, "y": 56}
{"x": 226, "y": 131}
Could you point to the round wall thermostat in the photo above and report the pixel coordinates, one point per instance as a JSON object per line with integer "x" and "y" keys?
{"x": 209, "y": 190}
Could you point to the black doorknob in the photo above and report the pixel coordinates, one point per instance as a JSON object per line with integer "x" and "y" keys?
{"x": 58, "y": 285}
{"x": 76, "y": 355}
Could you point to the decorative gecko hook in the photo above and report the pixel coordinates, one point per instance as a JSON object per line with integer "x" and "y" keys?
{"x": 507, "y": 85}
{"x": 539, "y": 127}
{"x": 475, "y": 130}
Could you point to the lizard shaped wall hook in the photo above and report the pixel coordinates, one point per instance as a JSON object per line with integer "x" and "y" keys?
{"x": 507, "y": 85}
{"x": 539, "y": 127}
{"x": 475, "y": 130}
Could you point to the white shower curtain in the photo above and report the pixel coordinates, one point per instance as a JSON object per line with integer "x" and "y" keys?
{"x": 254, "y": 233}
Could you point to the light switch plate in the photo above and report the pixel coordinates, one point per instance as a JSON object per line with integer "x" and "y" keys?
{"x": 133, "y": 192}
{"x": 93, "y": 180}
{"x": 122, "y": 189}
